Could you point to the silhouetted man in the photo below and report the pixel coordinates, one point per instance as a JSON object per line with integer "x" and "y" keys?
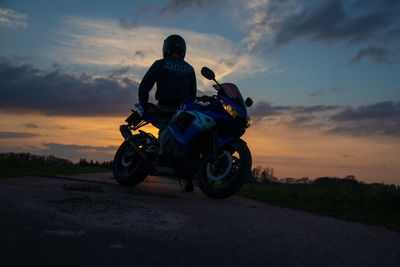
{"x": 175, "y": 79}
{"x": 176, "y": 82}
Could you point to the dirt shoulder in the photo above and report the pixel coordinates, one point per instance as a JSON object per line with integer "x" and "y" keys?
{"x": 89, "y": 220}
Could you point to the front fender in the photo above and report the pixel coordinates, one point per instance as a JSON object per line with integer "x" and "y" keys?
{"x": 223, "y": 141}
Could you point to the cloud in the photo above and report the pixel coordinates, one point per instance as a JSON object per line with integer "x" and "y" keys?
{"x": 24, "y": 88}
{"x": 80, "y": 148}
{"x": 378, "y": 119}
{"x": 127, "y": 25}
{"x": 382, "y": 118}
{"x": 102, "y": 43}
{"x": 75, "y": 152}
{"x": 303, "y": 119}
{"x": 314, "y": 109}
{"x": 318, "y": 93}
{"x": 12, "y": 19}
{"x": 31, "y": 125}
{"x": 262, "y": 109}
{"x": 118, "y": 72}
{"x": 17, "y": 135}
{"x": 380, "y": 111}
{"x": 375, "y": 54}
{"x": 324, "y": 91}
{"x": 177, "y": 6}
{"x": 276, "y": 23}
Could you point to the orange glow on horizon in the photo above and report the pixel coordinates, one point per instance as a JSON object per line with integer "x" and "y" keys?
{"x": 292, "y": 153}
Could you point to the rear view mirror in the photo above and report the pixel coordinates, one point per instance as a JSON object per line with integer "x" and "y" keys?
{"x": 209, "y": 74}
{"x": 248, "y": 102}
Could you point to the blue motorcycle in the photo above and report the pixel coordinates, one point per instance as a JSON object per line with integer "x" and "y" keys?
{"x": 201, "y": 140}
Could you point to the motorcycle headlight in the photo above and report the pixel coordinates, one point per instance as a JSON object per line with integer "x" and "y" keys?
{"x": 230, "y": 109}
{"x": 249, "y": 122}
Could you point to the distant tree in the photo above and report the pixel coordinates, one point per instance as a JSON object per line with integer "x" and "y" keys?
{"x": 255, "y": 173}
{"x": 288, "y": 180}
{"x": 303, "y": 180}
{"x": 267, "y": 175}
{"x": 350, "y": 177}
{"x": 83, "y": 162}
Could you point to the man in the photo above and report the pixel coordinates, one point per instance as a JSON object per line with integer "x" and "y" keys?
{"x": 175, "y": 79}
{"x": 176, "y": 82}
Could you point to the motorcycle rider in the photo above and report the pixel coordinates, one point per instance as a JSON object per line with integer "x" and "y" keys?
{"x": 174, "y": 77}
{"x": 176, "y": 82}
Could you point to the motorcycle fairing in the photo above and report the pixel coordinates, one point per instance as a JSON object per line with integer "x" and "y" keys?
{"x": 202, "y": 121}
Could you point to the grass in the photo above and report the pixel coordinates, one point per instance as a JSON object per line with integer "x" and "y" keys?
{"x": 16, "y": 167}
{"x": 84, "y": 188}
{"x": 375, "y": 204}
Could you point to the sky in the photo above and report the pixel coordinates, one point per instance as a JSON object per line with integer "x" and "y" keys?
{"x": 324, "y": 76}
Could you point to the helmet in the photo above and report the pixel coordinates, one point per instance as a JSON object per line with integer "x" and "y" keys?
{"x": 174, "y": 44}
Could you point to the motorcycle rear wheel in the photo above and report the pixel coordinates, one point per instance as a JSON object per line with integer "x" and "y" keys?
{"x": 128, "y": 168}
{"x": 225, "y": 177}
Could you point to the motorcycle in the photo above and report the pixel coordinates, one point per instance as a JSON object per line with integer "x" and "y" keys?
{"x": 203, "y": 140}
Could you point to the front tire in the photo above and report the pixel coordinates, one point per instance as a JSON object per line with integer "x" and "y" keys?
{"x": 128, "y": 168}
{"x": 224, "y": 177}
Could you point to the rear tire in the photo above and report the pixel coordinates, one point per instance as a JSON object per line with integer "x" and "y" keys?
{"x": 128, "y": 168}
{"x": 217, "y": 182}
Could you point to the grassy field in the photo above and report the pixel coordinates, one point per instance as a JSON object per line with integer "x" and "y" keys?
{"x": 376, "y": 204}
{"x": 14, "y": 167}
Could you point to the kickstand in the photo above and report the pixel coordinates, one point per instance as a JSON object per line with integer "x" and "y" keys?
{"x": 180, "y": 182}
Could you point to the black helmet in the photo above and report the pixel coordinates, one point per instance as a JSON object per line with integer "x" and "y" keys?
{"x": 174, "y": 44}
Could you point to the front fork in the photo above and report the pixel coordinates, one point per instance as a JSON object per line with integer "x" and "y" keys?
{"x": 213, "y": 143}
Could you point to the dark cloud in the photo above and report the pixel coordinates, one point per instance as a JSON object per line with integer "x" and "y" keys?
{"x": 118, "y": 72}
{"x": 302, "y": 120}
{"x": 80, "y": 148}
{"x": 139, "y": 53}
{"x": 316, "y": 109}
{"x": 27, "y": 89}
{"x": 31, "y": 125}
{"x": 177, "y": 6}
{"x": 329, "y": 21}
{"x": 17, "y": 135}
{"x": 127, "y": 25}
{"x": 380, "y": 111}
{"x": 375, "y": 54}
{"x": 75, "y": 152}
{"x": 325, "y": 91}
{"x": 381, "y": 118}
{"x": 262, "y": 109}
{"x": 318, "y": 93}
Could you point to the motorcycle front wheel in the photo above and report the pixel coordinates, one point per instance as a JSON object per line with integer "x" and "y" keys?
{"x": 128, "y": 167}
{"x": 225, "y": 176}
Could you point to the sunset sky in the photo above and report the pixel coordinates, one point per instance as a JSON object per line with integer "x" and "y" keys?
{"x": 324, "y": 75}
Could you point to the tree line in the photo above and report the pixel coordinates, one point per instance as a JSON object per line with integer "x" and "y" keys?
{"x": 265, "y": 175}
{"x": 55, "y": 161}
{"x": 103, "y": 164}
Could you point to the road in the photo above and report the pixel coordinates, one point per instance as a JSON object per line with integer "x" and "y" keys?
{"x": 44, "y": 224}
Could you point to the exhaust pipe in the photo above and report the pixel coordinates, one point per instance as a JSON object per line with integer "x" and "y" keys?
{"x": 127, "y": 134}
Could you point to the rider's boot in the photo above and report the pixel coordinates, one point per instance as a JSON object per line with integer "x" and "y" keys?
{"x": 189, "y": 185}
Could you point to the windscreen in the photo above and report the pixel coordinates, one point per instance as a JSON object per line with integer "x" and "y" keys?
{"x": 231, "y": 91}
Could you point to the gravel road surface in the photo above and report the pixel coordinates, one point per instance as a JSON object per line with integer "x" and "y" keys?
{"x": 45, "y": 223}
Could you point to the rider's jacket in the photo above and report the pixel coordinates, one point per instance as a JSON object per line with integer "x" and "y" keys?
{"x": 175, "y": 79}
